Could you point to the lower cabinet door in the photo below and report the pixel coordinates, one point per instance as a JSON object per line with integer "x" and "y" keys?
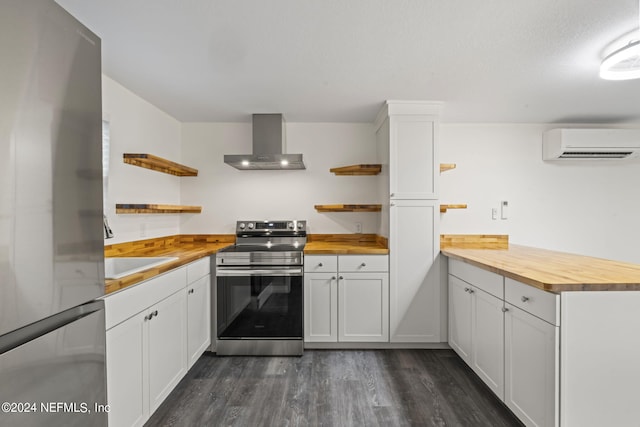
{"x": 198, "y": 319}
{"x": 488, "y": 340}
{"x": 460, "y": 318}
{"x": 321, "y": 307}
{"x": 414, "y": 271}
{"x": 167, "y": 339}
{"x": 127, "y": 381}
{"x": 363, "y": 312}
{"x": 531, "y": 354}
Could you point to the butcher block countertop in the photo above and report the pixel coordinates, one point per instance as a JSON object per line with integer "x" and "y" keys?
{"x": 187, "y": 248}
{"x": 552, "y": 271}
{"x": 346, "y": 244}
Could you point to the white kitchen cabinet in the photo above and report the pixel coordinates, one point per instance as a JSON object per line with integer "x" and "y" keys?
{"x": 167, "y": 340}
{"x": 198, "y": 318}
{"x": 407, "y": 148}
{"x": 198, "y": 309}
{"x": 407, "y": 132}
{"x": 346, "y": 298}
{"x": 363, "y": 312}
{"x": 476, "y": 331}
{"x": 531, "y": 368}
{"x": 487, "y": 331}
{"x": 153, "y": 335}
{"x": 145, "y": 360}
{"x": 414, "y": 273}
{"x": 460, "y": 318}
{"x": 320, "y": 307}
{"x": 513, "y": 351}
{"x": 127, "y": 373}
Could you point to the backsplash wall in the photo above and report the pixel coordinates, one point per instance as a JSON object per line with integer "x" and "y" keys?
{"x": 227, "y": 194}
{"x": 136, "y": 126}
{"x": 589, "y": 207}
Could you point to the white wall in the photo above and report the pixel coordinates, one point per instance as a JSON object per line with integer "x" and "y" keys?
{"x": 227, "y": 194}
{"x": 589, "y": 208}
{"x": 137, "y": 126}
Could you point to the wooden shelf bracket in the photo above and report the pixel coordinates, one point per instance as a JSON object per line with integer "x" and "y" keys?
{"x": 447, "y": 167}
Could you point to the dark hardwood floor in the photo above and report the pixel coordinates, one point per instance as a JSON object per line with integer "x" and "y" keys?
{"x": 334, "y": 388}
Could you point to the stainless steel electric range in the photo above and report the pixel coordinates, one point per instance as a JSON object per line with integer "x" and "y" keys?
{"x": 259, "y": 289}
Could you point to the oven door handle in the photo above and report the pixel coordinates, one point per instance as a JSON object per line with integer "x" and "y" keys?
{"x": 261, "y": 272}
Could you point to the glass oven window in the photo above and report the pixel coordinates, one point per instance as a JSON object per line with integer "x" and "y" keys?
{"x": 260, "y": 307}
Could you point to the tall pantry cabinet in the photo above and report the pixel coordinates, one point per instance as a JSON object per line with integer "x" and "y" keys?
{"x": 407, "y": 148}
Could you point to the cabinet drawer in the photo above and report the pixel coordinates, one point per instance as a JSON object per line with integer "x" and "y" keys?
{"x": 320, "y": 264}
{"x": 542, "y": 304}
{"x": 122, "y": 305}
{"x": 487, "y": 281}
{"x": 363, "y": 263}
{"x": 198, "y": 269}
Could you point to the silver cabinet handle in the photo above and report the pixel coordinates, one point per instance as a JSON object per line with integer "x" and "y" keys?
{"x": 340, "y": 277}
{"x": 467, "y": 289}
{"x": 191, "y": 291}
{"x": 505, "y": 309}
{"x": 320, "y": 264}
{"x": 392, "y": 204}
{"x": 524, "y": 299}
{"x": 363, "y": 265}
{"x": 333, "y": 277}
{"x": 151, "y": 315}
{"x": 471, "y": 291}
{"x": 392, "y": 194}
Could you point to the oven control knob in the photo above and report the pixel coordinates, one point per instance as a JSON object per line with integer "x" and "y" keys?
{"x": 250, "y": 226}
{"x": 241, "y": 226}
{"x": 300, "y": 225}
{"x": 290, "y": 225}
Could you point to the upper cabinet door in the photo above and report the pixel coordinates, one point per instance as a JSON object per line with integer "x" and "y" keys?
{"x": 413, "y": 157}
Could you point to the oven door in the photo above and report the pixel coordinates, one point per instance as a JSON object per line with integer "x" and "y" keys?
{"x": 259, "y": 303}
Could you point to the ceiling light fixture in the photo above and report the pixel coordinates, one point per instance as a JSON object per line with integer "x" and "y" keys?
{"x": 623, "y": 63}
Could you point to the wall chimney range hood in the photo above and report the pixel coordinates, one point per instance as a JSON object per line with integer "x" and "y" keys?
{"x": 269, "y": 146}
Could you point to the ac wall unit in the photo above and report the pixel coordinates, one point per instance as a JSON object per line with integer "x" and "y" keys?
{"x": 590, "y": 144}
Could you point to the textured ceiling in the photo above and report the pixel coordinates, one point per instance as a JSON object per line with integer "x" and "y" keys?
{"x": 337, "y": 60}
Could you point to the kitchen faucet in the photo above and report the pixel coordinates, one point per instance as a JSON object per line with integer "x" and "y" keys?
{"x": 108, "y": 233}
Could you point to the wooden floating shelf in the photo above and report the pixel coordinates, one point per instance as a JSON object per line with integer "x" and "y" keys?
{"x": 443, "y": 208}
{"x": 149, "y": 161}
{"x": 143, "y": 208}
{"x": 447, "y": 167}
{"x": 357, "y": 170}
{"x": 348, "y": 208}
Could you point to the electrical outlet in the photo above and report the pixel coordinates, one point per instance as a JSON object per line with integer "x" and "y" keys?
{"x": 494, "y": 213}
{"x": 358, "y": 227}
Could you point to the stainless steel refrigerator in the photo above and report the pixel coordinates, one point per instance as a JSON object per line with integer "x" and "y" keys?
{"x": 52, "y": 336}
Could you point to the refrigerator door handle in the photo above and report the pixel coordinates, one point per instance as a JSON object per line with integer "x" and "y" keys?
{"x": 34, "y": 330}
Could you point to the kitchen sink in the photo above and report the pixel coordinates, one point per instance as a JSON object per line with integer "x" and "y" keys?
{"x": 115, "y": 268}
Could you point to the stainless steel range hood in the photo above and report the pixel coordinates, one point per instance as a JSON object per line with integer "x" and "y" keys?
{"x": 269, "y": 146}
